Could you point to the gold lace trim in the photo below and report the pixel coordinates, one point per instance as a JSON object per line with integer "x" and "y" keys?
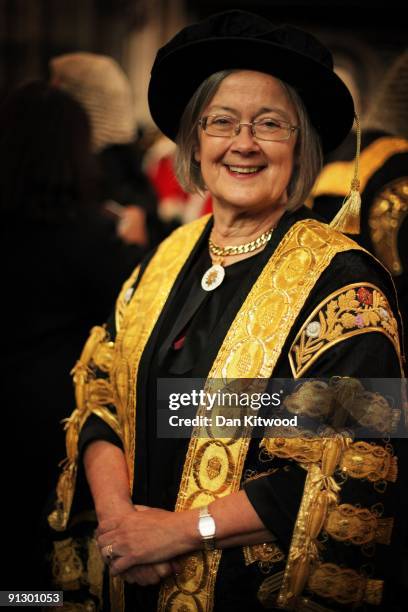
{"x": 70, "y": 574}
{"x": 358, "y": 460}
{"x": 364, "y": 460}
{"x": 264, "y": 554}
{"x": 346, "y": 586}
{"x": 304, "y": 604}
{"x": 385, "y": 218}
{"x": 355, "y": 309}
{"x": 319, "y": 508}
{"x": 302, "y": 450}
{"x": 95, "y": 569}
{"x": 268, "y": 590}
{"x": 67, "y": 567}
{"x": 347, "y": 523}
{"x": 325, "y": 451}
{"x": 334, "y": 403}
{"x": 255, "y": 475}
{"x": 93, "y": 395}
{"x": 313, "y": 398}
{"x": 319, "y": 496}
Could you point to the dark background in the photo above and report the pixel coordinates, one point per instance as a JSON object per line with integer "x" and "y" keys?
{"x": 32, "y": 31}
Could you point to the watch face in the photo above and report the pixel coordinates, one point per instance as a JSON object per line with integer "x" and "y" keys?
{"x": 207, "y": 526}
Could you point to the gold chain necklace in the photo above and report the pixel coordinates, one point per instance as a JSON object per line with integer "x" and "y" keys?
{"x": 241, "y": 248}
{"x": 214, "y": 276}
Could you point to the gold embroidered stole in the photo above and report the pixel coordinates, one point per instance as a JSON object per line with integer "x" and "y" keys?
{"x": 251, "y": 348}
{"x": 138, "y": 321}
{"x": 135, "y": 321}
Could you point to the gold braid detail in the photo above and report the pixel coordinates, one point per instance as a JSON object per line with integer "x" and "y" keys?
{"x": 359, "y": 459}
{"x": 364, "y": 460}
{"x": 268, "y": 590}
{"x": 346, "y": 586}
{"x": 355, "y": 309}
{"x": 67, "y": 567}
{"x": 300, "y": 449}
{"x": 320, "y": 502}
{"x": 347, "y": 523}
{"x": 337, "y": 402}
{"x": 265, "y": 555}
{"x": 93, "y": 395}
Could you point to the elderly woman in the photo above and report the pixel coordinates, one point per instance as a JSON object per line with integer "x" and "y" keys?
{"x": 260, "y": 289}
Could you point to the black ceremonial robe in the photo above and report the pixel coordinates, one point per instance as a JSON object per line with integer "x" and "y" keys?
{"x": 184, "y": 343}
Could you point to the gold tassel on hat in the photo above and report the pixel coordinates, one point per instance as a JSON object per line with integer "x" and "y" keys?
{"x": 347, "y": 219}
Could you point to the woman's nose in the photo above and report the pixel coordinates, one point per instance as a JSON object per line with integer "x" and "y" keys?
{"x": 244, "y": 140}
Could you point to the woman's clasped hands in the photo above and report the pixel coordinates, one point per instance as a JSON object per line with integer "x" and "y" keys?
{"x": 143, "y": 544}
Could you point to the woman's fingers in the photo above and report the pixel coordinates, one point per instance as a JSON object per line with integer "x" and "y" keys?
{"x": 145, "y": 537}
{"x": 122, "y": 564}
{"x": 163, "y": 569}
{"x": 147, "y": 574}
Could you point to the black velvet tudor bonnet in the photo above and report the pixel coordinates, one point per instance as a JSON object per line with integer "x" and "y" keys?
{"x": 242, "y": 40}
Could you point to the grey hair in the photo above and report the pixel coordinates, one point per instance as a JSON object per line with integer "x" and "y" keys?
{"x": 308, "y": 151}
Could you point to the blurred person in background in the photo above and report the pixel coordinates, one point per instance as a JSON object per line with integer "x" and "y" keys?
{"x": 63, "y": 264}
{"x": 100, "y": 85}
{"x": 174, "y": 201}
{"x": 383, "y": 177}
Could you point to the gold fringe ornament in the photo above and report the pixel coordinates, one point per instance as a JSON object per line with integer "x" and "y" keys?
{"x": 347, "y": 219}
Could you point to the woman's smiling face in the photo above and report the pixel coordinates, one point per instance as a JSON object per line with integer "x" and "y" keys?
{"x": 243, "y": 171}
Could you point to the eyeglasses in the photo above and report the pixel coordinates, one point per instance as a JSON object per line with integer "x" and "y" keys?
{"x": 267, "y": 128}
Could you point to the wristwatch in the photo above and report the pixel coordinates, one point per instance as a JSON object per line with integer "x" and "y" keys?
{"x": 206, "y": 527}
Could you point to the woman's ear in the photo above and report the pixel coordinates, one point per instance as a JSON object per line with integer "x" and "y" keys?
{"x": 197, "y": 154}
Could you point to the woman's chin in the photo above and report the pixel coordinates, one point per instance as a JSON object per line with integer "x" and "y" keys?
{"x": 248, "y": 203}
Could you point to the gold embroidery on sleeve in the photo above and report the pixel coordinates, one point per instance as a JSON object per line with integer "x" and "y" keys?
{"x": 95, "y": 568}
{"x": 346, "y": 586}
{"x": 347, "y": 523}
{"x": 364, "y": 460}
{"x": 319, "y": 496}
{"x": 352, "y": 310}
{"x": 341, "y": 399}
{"x": 302, "y": 450}
{"x": 93, "y": 395}
{"x": 313, "y": 398}
{"x": 67, "y": 567}
{"x": 264, "y": 554}
{"x": 319, "y": 509}
{"x": 268, "y": 590}
{"x": 305, "y": 604}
